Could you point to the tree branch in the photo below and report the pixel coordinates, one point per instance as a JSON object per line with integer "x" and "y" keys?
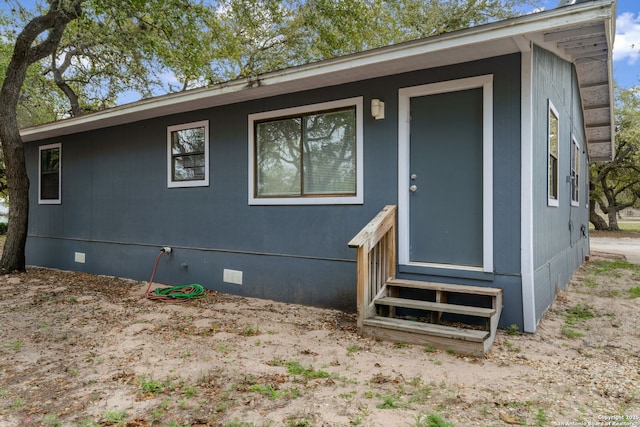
{"x": 62, "y": 84}
{"x": 56, "y": 21}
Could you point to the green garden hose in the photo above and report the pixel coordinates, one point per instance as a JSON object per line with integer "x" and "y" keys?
{"x": 183, "y": 291}
{"x": 180, "y": 293}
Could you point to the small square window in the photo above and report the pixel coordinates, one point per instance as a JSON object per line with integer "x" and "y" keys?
{"x": 188, "y": 155}
{"x": 49, "y": 185}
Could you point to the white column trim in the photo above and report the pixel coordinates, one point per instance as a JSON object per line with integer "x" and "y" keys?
{"x": 526, "y": 195}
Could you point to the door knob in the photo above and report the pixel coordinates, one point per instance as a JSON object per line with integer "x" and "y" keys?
{"x": 413, "y": 188}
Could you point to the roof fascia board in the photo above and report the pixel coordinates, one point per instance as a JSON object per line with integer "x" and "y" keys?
{"x": 202, "y": 98}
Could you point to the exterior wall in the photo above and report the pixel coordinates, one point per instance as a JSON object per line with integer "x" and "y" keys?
{"x": 559, "y": 244}
{"x": 117, "y": 210}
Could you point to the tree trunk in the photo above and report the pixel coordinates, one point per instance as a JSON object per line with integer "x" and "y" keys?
{"x": 613, "y": 220}
{"x": 612, "y": 207}
{"x": 13, "y": 255}
{"x": 598, "y": 222}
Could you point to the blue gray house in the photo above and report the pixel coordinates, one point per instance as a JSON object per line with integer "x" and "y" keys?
{"x": 469, "y": 149}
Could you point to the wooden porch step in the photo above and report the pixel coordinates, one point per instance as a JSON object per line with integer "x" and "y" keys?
{"x": 444, "y": 287}
{"x": 379, "y": 292}
{"x": 430, "y": 329}
{"x": 436, "y": 306}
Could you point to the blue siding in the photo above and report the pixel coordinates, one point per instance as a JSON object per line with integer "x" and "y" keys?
{"x": 116, "y": 207}
{"x": 559, "y": 244}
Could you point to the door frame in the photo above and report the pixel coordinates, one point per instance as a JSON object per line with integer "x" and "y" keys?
{"x": 404, "y": 162}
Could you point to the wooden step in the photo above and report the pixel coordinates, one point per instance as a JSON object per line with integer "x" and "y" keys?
{"x": 449, "y": 332}
{"x": 436, "y": 306}
{"x": 444, "y": 287}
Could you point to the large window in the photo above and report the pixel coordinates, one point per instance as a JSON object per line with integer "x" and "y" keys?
{"x": 575, "y": 173}
{"x": 553, "y": 149}
{"x": 49, "y": 174}
{"x": 307, "y": 155}
{"x": 188, "y": 154}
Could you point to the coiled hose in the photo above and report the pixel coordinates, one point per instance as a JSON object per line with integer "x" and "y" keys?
{"x": 180, "y": 293}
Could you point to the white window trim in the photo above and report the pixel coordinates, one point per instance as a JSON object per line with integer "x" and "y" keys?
{"x": 196, "y": 182}
{"x": 332, "y": 200}
{"x": 576, "y": 150}
{"x": 550, "y": 201}
{"x": 404, "y": 125}
{"x": 40, "y": 199}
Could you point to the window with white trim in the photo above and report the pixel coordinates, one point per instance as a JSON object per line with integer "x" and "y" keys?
{"x": 49, "y": 182}
{"x": 553, "y": 155}
{"x": 307, "y": 155}
{"x": 575, "y": 172}
{"x": 188, "y": 155}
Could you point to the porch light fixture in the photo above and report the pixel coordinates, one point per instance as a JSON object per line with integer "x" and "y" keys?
{"x": 377, "y": 109}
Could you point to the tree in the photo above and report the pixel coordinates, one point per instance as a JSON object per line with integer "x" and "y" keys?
{"x": 616, "y": 185}
{"x": 254, "y": 37}
{"x": 123, "y": 46}
{"x": 328, "y": 28}
{"x": 128, "y": 46}
{"x": 39, "y": 100}
{"x": 38, "y": 39}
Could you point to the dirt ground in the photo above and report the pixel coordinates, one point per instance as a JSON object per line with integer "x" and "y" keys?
{"x": 83, "y": 350}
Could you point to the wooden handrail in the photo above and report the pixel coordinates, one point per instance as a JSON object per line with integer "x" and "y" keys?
{"x": 376, "y": 258}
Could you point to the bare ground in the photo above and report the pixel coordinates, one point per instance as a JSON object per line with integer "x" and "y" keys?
{"x": 84, "y": 350}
